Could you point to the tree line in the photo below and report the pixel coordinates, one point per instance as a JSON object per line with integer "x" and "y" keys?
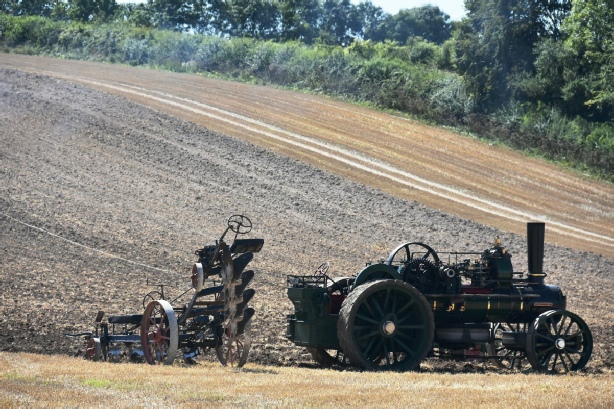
{"x": 334, "y": 22}
{"x": 536, "y": 74}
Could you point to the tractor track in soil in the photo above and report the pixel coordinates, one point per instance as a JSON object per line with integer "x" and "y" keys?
{"x": 149, "y": 183}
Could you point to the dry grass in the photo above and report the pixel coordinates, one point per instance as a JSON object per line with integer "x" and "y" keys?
{"x": 28, "y": 380}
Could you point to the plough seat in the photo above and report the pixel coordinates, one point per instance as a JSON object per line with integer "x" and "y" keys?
{"x": 126, "y": 319}
{"x": 246, "y": 245}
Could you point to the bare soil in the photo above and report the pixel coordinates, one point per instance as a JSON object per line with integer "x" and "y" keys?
{"x": 89, "y": 176}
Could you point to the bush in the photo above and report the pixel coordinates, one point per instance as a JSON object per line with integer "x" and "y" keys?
{"x": 421, "y": 51}
{"x": 29, "y": 30}
{"x": 135, "y": 51}
{"x": 450, "y": 100}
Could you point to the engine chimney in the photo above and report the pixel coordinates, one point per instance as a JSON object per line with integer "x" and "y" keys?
{"x": 535, "y": 251}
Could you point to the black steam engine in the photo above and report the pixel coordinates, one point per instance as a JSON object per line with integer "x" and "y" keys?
{"x": 461, "y": 305}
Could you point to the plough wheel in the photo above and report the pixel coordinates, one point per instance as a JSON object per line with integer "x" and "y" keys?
{"x": 233, "y": 351}
{"x": 558, "y": 342}
{"x": 386, "y": 325}
{"x": 93, "y": 350}
{"x": 159, "y": 333}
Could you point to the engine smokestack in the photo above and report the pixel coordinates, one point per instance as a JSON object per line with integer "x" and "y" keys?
{"x": 535, "y": 251}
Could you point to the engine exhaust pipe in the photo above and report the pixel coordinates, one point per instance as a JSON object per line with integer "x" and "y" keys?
{"x": 535, "y": 251}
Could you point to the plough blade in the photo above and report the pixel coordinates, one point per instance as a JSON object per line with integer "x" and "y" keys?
{"x": 246, "y": 277}
{"x": 240, "y": 263}
{"x": 247, "y": 297}
{"x": 247, "y": 315}
{"x": 210, "y": 290}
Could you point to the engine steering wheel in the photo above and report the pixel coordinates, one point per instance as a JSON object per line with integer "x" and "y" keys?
{"x": 322, "y": 270}
{"x": 410, "y": 251}
{"x": 239, "y": 224}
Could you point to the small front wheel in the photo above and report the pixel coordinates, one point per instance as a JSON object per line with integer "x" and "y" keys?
{"x": 558, "y": 342}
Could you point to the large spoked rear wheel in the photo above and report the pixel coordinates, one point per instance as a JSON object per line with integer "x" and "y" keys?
{"x": 159, "y": 333}
{"x": 386, "y": 325}
{"x": 558, "y": 342}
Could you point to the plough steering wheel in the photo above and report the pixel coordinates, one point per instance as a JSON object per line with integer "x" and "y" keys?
{"x": 239, "y": 224}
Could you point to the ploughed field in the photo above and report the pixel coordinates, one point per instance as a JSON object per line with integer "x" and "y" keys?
{"x": 104, "y": 195}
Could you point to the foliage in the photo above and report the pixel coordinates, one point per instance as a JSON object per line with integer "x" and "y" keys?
{"x": 427, "y": 22}
{"x": 29, "y": 30}
{"x": 591, "y": 38}
{"x": 339, "y": 22}
{"x": 495, "y": 43}
{"x": 554, "y": 96}
{"x": 298, "y": 20}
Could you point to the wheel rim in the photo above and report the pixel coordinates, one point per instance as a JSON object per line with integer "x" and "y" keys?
{"x": 559, "y": 342}
{"x": 388, "y": 325}
{"x": 93, "y": 350}
{"x": 159, "y": 336}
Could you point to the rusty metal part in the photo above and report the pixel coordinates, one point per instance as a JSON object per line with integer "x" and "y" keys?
{"x": 93, "y": 350}
{"x": 159, "y": 333}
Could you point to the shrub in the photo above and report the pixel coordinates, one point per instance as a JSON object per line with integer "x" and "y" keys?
{"x": 135, "y": 51}
{"x": 450, "y": 100}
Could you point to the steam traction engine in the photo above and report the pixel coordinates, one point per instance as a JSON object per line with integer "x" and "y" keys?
{"x": 393, "y": 314}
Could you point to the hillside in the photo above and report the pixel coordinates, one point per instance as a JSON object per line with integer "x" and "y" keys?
{"x": 152, "y": 181}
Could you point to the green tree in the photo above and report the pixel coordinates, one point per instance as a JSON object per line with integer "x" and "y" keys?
{"x": 6, "y": 7}
{"x": 171, "y": 14}
{"x": 82, "y": 10}
{"x": 590, "y": 35}
{"x": 428, "y": 22}
{"x": 555, "y": 66}
{"x": 106, "y": 8}
{"x": 41, "y": 8}
{"x": 253, "y": 18}
{"x": 299, "y": 19}
{"x": 339, "y": 22}
{"x": 211, "y": 16}
{"x": 373, "y": 22}
{"x": 495, "y": 43}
